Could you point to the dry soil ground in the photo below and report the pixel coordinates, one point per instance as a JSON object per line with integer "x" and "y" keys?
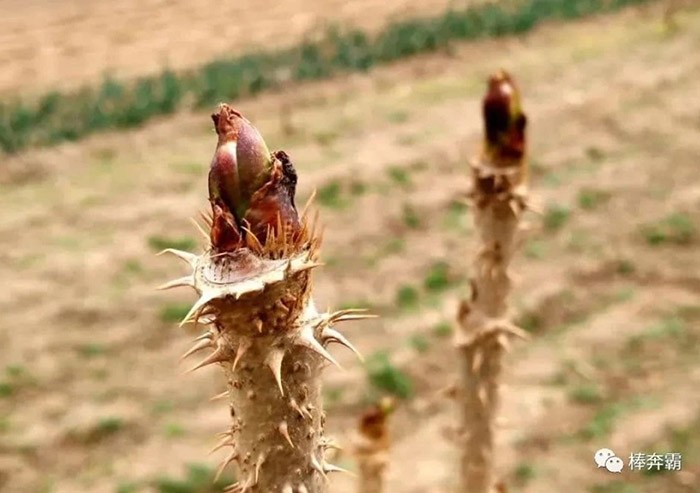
{"x": 91, "y": 399}
{"x": 47, "y": 44}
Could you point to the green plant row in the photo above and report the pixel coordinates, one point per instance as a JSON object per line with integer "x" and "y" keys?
{"x": 58, "y": 117}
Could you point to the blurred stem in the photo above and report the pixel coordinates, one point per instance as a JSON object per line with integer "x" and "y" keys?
{"x": 498, "y": 195}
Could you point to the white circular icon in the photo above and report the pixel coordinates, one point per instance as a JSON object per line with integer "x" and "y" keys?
{"x": 614, "y": 464}
{"x": 602, "y": 456}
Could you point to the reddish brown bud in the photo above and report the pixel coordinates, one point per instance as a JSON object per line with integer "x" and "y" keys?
{"x": 373, "y": 423}
{"x": 224, "y": 235}
{"x": 504, "y": 120}
{"x": 273, "y": 205}
{"x": 241, "y": 162}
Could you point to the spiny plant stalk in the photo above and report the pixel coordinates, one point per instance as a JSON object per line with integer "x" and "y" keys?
{"x": 264, "y": 331}
{"x": 372, "y": 447}
{"x": 498, "y": 195}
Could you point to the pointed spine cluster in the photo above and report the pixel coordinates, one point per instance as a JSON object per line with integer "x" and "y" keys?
{"x": 272, "y": 350}
{"x": 262, "y": 327}
{"x": 498, "y": 195}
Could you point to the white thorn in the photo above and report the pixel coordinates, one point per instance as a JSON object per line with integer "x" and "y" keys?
{"x": 306, "y": 338}
{"x": 287, "y": 488}
{"x": 332, "y": 334}
{"x": 317, "y": 467}
{"x": 207, "y": 335}
{"x": 284, "y": 430}
{"x": 308, "y": 266}
{"x": 238, "y": 487}
{"x": 220, "y": 396}
{"x": 197, "y": 347}
{"x": 350, "y": 314}
{"x": 301, "y": 411}
{"x": 258, "y": 465}
{"x": 329, "y": 443}
{"x": 227, "y": 441}
{"x": 344, "y": 318}
{"x": 188, "y": 257}
{"x": 215, "y": 357}
{"x": 229, "y": 458}
{"x": 198, "y": 305}
{"x": 274, "y": 362}
{"x": 176, "y": 283}
{"x": 302, "y": 488}
{"x": 200, "y": 229}
{"x": 243, "y": 346}
{"x": 333, "y": 468}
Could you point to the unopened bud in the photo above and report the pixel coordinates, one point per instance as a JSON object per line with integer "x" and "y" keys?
{"x": 272, "y": 206}
{"x": 504, "y": 120}
{"x": 241, "y": 162}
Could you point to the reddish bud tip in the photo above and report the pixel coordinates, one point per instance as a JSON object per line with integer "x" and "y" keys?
{"x": 272, "y": 206}
{"x": 504, "y": 120}
{"x": 241, "y": 163}
{"x": 373, "y": 422}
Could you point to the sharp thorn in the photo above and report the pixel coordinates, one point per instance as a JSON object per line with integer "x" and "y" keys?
{"x": 344, "y": 318}
{"x": 243, "y": 346}
{"x": 308, "y": 203}
{"x": 220, "y": 396}
{"x": 329, "y": 443}
{"x": 229, "y": 458}
{"x": 308, "y": 266}
{"x": 198, "y": 305}
{"x": 350, "y": 314}
{"x": 188, "y": 257}
{"x": 252, "y": 241}
{"x": 274, "y": 362}
{"x": 281, "y": 306}
{"x": 284, "y": 430}
{"x": 224, "y": 442}
{"x": 205, "y": 217}
{"x": 300, "y": 411}
{"x": 308, "y": 340}
{"x": 258, "y": 465}
{"x": 334, "y": 335}
{"x": 317, "y": 467}
{"x": 183, "y": 281}
{"x": 207, "y": 335}
{"x": 200, "y": 229}
{"x": 197, "y": 347}
{"x": 333, "y": 468}
{"x": 223, "y": 434}
{"x": 215, "y": 357}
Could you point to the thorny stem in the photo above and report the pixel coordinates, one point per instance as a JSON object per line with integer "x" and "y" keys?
{"x": 254, "y": 286}
{"x": 498, "y": 196}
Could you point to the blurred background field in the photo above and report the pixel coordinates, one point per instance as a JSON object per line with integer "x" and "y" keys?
{"x": 91, "y": 396}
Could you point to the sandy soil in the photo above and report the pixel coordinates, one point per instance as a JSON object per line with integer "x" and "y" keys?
{"x": 91, "y": 399}
{"x": 48, "y": 45}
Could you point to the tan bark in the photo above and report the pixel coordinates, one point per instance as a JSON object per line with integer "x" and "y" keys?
{"x": 498, "y": 197}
